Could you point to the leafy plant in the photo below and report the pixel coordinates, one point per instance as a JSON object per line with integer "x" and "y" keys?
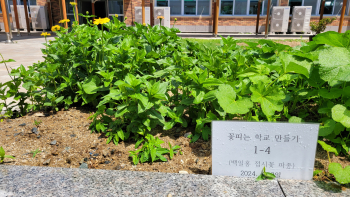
{"x": 265, "y": 175}
{"x": 35, "y": 152}
{"x": 3, "y": 156}
{"x": 321, "y": 25}
{"x": 151, "y": 150}
{"x": 340, "y": 174}
{"x": 37, "y": 123}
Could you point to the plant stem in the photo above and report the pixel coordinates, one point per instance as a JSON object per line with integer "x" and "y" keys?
{"x": 329, "y": 158}
{"x": 7, "y": 68}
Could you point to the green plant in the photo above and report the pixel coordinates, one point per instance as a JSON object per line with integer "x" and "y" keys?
{"x": 35, "y": 152}
{"x": 321, "y": 25}
{"x": 265, "y": 175}
{"x": 340, "y": 174}
{"x": 151, "y": 150}
{"x": 37, "y": 123}
{"x": 3, "y": 156}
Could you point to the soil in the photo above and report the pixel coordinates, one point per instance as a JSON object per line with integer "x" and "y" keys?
{"x": 76, "y": 145}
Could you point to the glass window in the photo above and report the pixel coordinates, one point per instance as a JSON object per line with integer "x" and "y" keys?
{"x": 162, "y": 3}
{"x": 203, "y": 7}
{"x": 328, "y": 7}
{"x": 175, "y": 7}
{"x": 253, "y": 7}
{"x": 241, "y": 7}
{"x": 274, "y": 3}
{"x": 190, "y": 7}
{"x": 338, "y": 7}
{"x": 293, "y": 3}
{"x": 226, "y": 7}
{"x": 115, "y": 6}
{"x": 312, "y": 3}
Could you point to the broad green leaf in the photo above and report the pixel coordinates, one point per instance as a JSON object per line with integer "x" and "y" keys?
{"x": 338, "y": 128}
{"x": 334, "y": 64}
{"x": 153, "y": 154}
{"x": 341, "y": 114}
{"x": 296, "y": 68}
{"x": 187, "y": 101}
{"x": 91, "y": 85}
{"x": 332, "y": 94}
{"x": 161, "y": 157}
{"x": 227, "y": 99}
{"x": 327, "y": 128}
{"x": 206, "y": 131}
{"x": 333, "y": 39}
{"x": 316, "y": 172}
{"x": 195, "y": 138}
{"x": 295, "y": 119}
{"x": 120, "y": 134}
{"x": 270, "y": 99}
{"x": 2, "y": 152}
{"x": 199, "y": 97}
{"x": 340, "y": 174}
{"x": 328, "y": 148}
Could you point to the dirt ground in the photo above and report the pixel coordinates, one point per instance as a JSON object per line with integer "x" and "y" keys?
{"x": 75, "y": 145}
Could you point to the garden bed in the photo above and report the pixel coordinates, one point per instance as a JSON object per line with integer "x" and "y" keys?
{"x": 75, "y": 146}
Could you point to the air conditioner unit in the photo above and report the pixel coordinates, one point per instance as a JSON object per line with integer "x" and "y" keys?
{"x": 301, "y": 19}
{"x": 14, "y": 17}
{"x": 138, "y": 15}
{"x": 279, "y": 18}
{"x": 162, "y": 11}
{"x": 39, "y": 17}
{"x": 21, "y": 17}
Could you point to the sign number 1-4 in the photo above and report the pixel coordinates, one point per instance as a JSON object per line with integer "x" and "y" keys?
{"x": 263, "y": 150}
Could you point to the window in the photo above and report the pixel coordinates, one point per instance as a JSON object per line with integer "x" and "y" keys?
{"x": 186, "y": 7}
{"x": 243, "y": 7}
{"x": 331, "y": 7}
{"x": 116, "y": 7}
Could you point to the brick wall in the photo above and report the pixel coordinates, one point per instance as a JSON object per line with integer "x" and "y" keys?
{"x": 55, "y": 10}
{"x": 284, "y": 2}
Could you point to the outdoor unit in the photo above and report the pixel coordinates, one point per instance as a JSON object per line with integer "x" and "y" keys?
{"x": 13, "y": 17}
{"x": 39, "y": 17}
{"x": 138, "y": 15}
{"x": 279, "y": 18}
{"x": 21, "y": 17}
{"x": 301, "y": 19}
{"x": 162, "y": 11}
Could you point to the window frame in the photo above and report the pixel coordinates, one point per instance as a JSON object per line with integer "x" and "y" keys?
{"x": 247, "y": 11}
{"x": 183, "y": 9}
{"x": 318, "y": 7}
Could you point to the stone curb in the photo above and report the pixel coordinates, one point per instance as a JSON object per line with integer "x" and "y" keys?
{"x": 48, "y": 181}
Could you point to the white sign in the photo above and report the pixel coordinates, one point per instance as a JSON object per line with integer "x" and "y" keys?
{"x": 242, "y": 149}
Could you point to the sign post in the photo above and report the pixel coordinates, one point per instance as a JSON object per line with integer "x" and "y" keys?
{"x": 242, "y": 149}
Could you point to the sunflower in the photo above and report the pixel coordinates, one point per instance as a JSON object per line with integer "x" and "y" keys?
{"x": 45, "y": 34}
{"x": 55, "y": 28}
{"x": 64, "y": 20}
{"x": 73, "y": 3}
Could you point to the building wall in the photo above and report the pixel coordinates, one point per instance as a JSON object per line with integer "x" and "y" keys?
{"x": 199, "y": 23}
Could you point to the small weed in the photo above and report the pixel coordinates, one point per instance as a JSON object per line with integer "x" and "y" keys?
{"x": 37, "y": 123}
{"x": 35, "y": 152}
{"x": 3, "y": 156}
{"x": 265, "y": 175}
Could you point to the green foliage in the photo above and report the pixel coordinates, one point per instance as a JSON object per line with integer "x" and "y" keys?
{"x": 37, "y": 123}
{"x": 3, "y": 156}
{"x": 340, "y": 174}
{"x": 142, "y": 77}
{"x": 265, "y": 175}
{"x": 321, "y": 25}
{"x": 151, "y": 150}
{"x": 35, "y": 152}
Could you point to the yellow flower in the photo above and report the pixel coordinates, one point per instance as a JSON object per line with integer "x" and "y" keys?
{"x": 116, "y": 15}
{"x": 45, "y": 34}
{"x": 101, "y": 21}
{"x": 144, "y": 24}
{"x": 73, "y": 3}
{"x": 125, "y": 18}
{"x": 64, "y": 20}
{"x": 160, "y": 17}
{"x": 55, "y": 28}
{"x": 175, "y": 19}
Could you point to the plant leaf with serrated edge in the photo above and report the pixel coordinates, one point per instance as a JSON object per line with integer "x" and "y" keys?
{"x": 227, "y": 99}
{"x": 328, "y": 148}
{"x": 327, "y": 128}
{"x": 341, "y": 114}
{"x": 138, "y": 143}
{"x": 195, "y": 138}
{"x": 340, "y": 174}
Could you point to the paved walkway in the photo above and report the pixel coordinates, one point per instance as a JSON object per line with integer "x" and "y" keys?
{"x": 46, "y": 181}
